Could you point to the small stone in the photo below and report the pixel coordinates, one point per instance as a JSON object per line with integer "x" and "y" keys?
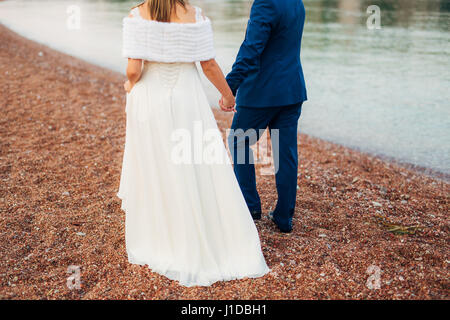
{"x": 322, "y": 235}
{"x": 81, "y": 234}
{"x": 376, "y": 204}
{"x": 27, "y": 257}
{"x": 66, "y": 193}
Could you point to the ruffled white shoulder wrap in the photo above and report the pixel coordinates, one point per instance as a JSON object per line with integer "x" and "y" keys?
{"x": 167, "y": 42}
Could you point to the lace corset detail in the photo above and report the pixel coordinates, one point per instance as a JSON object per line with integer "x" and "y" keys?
{"x": 168, "y": 73}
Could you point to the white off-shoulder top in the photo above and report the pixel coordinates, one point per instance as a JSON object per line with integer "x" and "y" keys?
{"x": 166, "y": 41}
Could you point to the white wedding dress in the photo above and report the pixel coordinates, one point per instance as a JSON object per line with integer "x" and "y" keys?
{"x": 186, "y": 220}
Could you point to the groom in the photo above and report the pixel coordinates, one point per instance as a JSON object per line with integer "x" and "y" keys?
{"x": 267, "y": 78}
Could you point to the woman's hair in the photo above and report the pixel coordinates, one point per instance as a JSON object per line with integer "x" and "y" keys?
{"x": 161, "y": 10}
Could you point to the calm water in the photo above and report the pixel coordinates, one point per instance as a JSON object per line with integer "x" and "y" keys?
{"x": 381, "y": 91}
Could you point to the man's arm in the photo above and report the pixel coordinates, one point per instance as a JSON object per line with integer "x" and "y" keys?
{"x": 262, "y": 19}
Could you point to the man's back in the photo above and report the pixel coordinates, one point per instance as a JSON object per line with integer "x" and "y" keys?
{"x": 268, "y": 71}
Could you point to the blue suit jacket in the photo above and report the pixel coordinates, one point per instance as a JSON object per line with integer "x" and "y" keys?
{"x": 268, "y": 71}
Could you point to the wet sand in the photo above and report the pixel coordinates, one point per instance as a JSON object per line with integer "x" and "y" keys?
{"x": 62, "y": 134}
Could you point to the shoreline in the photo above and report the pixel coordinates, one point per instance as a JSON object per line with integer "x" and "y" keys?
{"x": 62, "y": 135}
{"x": 428, "y": 171}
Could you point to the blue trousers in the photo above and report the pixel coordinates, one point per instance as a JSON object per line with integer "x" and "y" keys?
{"x": 281, "y": 121}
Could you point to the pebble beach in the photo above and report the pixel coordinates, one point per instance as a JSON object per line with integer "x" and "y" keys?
{"x": 62, "y": 133}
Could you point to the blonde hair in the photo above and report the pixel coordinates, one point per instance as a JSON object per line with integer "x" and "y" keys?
{"x": 161, "y": 10}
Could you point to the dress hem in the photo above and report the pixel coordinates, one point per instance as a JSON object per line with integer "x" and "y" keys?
{"x": 170, "y": 274}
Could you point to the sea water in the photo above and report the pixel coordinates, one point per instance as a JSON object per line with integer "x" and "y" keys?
{"x": 381, "y": 89}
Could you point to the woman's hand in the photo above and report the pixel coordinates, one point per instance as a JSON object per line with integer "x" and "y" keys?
{"x": 227, "y": 103}
{"x": 128, "y": 86}
{"x": 134, "y": 71}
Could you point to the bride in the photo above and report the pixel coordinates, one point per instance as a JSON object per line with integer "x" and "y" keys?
{"x": 186, "y": 220}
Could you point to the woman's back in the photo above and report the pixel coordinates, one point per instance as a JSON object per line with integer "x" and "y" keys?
{"x": 187, "y": 14}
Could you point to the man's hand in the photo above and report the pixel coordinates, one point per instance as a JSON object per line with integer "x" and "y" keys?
{"x": 227, "y": 104}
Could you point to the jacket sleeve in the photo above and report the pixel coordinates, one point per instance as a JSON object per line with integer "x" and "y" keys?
{"x": 263, "y": 17}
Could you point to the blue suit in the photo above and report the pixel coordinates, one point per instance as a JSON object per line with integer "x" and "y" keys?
{"x": 267, "y": 79}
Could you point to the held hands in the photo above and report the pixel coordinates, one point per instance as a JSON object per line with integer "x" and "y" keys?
{"x": 227, "y": 103}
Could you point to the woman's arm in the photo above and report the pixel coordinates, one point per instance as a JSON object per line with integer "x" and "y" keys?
{"x": 134, "y": 71}
{"x": 213, "y": 72}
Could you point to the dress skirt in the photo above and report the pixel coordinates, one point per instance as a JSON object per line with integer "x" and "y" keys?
{"x": 186, "y": 217}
